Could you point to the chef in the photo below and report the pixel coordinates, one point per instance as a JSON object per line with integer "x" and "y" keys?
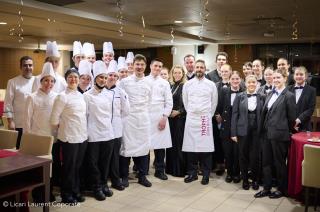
{"x": 18, "y": 89}
{"x": 160, "y": 109}
{"x": 108, "y": 53}
{"x": 200, "y": 98}
{"x": 136, "y": 130}
{"x": 85, "y": 80}
{"x": 77, "y": 54}
{"x": 129, "y": 62}
{"x": 52, "y": 56}
{"x": 120, "y": 109}
{"x": 122, "y": 68}
{"x": 89, "y": 52}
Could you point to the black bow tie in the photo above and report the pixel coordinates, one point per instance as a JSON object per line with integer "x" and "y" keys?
{"x": 250, "y": 95}
{"x": 298, "y": 87}
{"x": 268, "y": 87}
{"x": 234, "y": 91}
{"x": 275, "y": 91}
{"x": 259, "y": 80}
{"x": 225, "y": 84}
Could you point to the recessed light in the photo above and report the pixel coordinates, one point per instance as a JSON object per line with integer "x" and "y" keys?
{"x": 178, "y": 22}
{"x": 3, "y": 23}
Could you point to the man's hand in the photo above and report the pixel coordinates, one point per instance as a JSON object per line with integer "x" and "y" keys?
{"x": 162, "y": 123}
{"x": 218, "y": 118}
{"x": 235, "y": 139}
{"x": 296, "y": 126}
{"x": 11, "y": 124}
{"x": 174, "y": 113}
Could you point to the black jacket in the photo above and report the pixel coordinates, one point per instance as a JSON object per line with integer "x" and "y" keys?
{"x": 239, "y": 120}
{"x": 305, "y": 106}
{"x": 213, "y": 76}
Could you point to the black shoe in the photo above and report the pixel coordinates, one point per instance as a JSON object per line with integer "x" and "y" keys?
{"x": 79, "y": 197}
{"x": 220, "y": 172}
{"x": 228, "y": 179}
{"x": 99, "y": 195}
{"x": 144, "y": 181}
{"x": 190, "y": 178}
{"x": 245, "y": 185}
{"x": 276, "y": 195}
{"x": 68, "y": 199}
{"x": 118, "y": 186}
{"x": 205, "y": 180}
{"x": 236, "y": 179}
{"x": 107, "y": 192}
{"x": 161, "y": 175}
{"x": 263, "y": 193}
{"x": 125, "y": 182}
{"x": 255, "y": 185}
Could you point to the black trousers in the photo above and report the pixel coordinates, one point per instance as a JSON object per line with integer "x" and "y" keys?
{"x": 218, "y": 154}
{"x": 72, "y": 157}
{"x": 99, "y": 158}
{"x": 20, "y": 131}
{"x": 159, "y": 155}
{"x": 141, "y": 163}
{"x": 231, "y": 154}
{"x": 115, "y": 160}
{"x": 249, "y": 147}
{"x": 275, "y": 153}
{"x": 205, "y": 160}
{"x": 56, "y": 163}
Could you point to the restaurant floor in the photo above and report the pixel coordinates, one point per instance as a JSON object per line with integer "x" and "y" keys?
{"x": 175, "y": 195}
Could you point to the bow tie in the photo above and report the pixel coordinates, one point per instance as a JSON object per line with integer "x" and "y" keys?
{"x": 250, "y": 95}
{"x": 298, "y": 87}
{"x": 268, "y": 87}
{"x": 225, "y": 84}
{"x": 234, "y": 91}
{"x": 274, "y": 91}
{"x": 259, "y": 80}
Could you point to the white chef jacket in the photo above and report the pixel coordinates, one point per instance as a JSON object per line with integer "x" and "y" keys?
{"x": 37, "y": 113}
{"x": 136, "y": 128}
{"x": 99, "y": 110}
{"x": 200, "y": 98}
{"x": 18, "y": 89}
{"x": 59, "y": 86}
{"x": 161, "y": 105}
{"x": 70, "y": 112}
{"x": 120, "y": 109}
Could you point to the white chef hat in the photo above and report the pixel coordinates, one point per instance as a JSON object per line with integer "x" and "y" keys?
{"x": 47, "y": 70}
{"x": 113, "y": 67}
{"x": 77, "y": 48}
{"x": 52, "y": 49}
{"x": 130, "y": 57}
{"x": 122, "y": 63}
{"x": 107, "y": 48}
{"x": 85, "y": 68}
{"x": 88, "y": 49}
{"x": 99, "y": 67}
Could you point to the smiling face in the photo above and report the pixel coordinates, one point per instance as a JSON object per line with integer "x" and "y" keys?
{"x": 189, "y": 64}
{"x": 221, "y": 60}
{"x": 123, "y": 73}
{"x": 257, "y": 68}
{"x": 155, "y": 68}
{"x": 200, "y": 69}
{"x": 299, "y": 76}
{"x": 139, "y": 66}
{"x": 164, "y": 73}
{"x": 84, "y": 81}
{"x": 235, "y": 81}
{"x": 251, "y": 83}
{"x": 247, "y": 70}
{"x": 177, "y": 74}
{"x": 55, "y": 61}
{"x": 77, "y": 58}
{"x": 27, "y": 68}
{"x": 278, "y": 80}
{"x": 225, "y": 72}
{"x": 282, "y": 64}
{"x": 47, "y": 83}
{"x": 268, "y": 76}
{"x": 73, "y": 81}
{"x": 101, "y": 80}
{"x": 107, "y": 57}
{"x": 91, "y": 58}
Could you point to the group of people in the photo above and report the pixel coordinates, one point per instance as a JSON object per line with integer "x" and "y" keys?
{"x": 105, "y": 112}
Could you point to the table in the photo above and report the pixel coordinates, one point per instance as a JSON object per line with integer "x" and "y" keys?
{"x": 298, "y": 140}
{"x": 23, "y": 172}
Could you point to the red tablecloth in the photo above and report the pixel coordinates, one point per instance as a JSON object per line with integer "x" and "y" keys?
{"x": 6, "y": 153}
{"x": 1, "y": 108}
{"x": 298, "y": 140}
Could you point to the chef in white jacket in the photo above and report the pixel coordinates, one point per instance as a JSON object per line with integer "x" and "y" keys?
{"x": 100, "y": 131}
{"x": 39, "y": 104}
{"x": 77, "y": 54}
{"x": 18, "y": 88}
{"x": 120, "y": 109}
{"x": 52, "y": 56}
{"x": 108, "y": 53}
{"x": 89, "y": 52}
{"x": 200, "y": 98}
{"x": 129, "y": 62}
{"x": 136, "y": 130}
{"x": 85, "y": 81}
{"x": 160, "y": 110}
{"x": 122, "y": 68}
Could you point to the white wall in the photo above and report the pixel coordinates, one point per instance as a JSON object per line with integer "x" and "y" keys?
{"x": 209, "y": 55}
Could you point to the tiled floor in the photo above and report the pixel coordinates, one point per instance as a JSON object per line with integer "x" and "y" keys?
{"x": 175, "y": 195}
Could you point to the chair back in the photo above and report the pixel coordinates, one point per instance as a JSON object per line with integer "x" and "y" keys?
{"x": 5, "y": 122}
{"x": 37, "y": 145}
{"x": 8, "y": 139}
{"x": 310, "y": 166}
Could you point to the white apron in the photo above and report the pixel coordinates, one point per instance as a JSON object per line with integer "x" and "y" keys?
{"x": 159, "y": 139}
{"x": 198, "y": 134}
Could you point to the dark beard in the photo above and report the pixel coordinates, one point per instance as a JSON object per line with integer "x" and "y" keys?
{"x": 199, "y": 74}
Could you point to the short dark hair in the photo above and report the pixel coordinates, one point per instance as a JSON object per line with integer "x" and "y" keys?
{"x": 188, "y": 55}
{"x": 223, "y": 54}
{"x": 246, "y": 64}
{"x": 201, "y": 61}
{"x": 156, "y": 60}
{"x": 261, "y": 62}
{"x": 70, "y": 71}
{"x": 24, "y": 58}
{"x": 139, "y": 57}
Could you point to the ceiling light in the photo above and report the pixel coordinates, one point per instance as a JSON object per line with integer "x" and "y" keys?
{"x": 178, "y": 22}
{"x": 3, "y": 23}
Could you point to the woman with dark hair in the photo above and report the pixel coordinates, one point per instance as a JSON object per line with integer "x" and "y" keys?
{"x": 175, "y": 158}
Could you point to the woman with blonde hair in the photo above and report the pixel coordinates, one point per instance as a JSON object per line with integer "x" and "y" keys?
{"x": 175, "y": 159}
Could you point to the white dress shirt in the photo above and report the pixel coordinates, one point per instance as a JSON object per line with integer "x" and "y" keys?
{"x": 274, "y": 97}
{"x": 298, "y": 91}
{"x": 99, "y": 107}
{"x": 37, "y": 113}
{"x": 59, "y": 86}
{"x": 18, "y": 89}
{"x": 70, "y": 113}
{"x": 252, "y": 102}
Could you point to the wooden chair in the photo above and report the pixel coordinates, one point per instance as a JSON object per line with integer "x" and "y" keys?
{"x": 37, "y": 145}
{"x": 8, "y": 139}
{"x": 311, "y": 172}
{"x": 4, "y": 122}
